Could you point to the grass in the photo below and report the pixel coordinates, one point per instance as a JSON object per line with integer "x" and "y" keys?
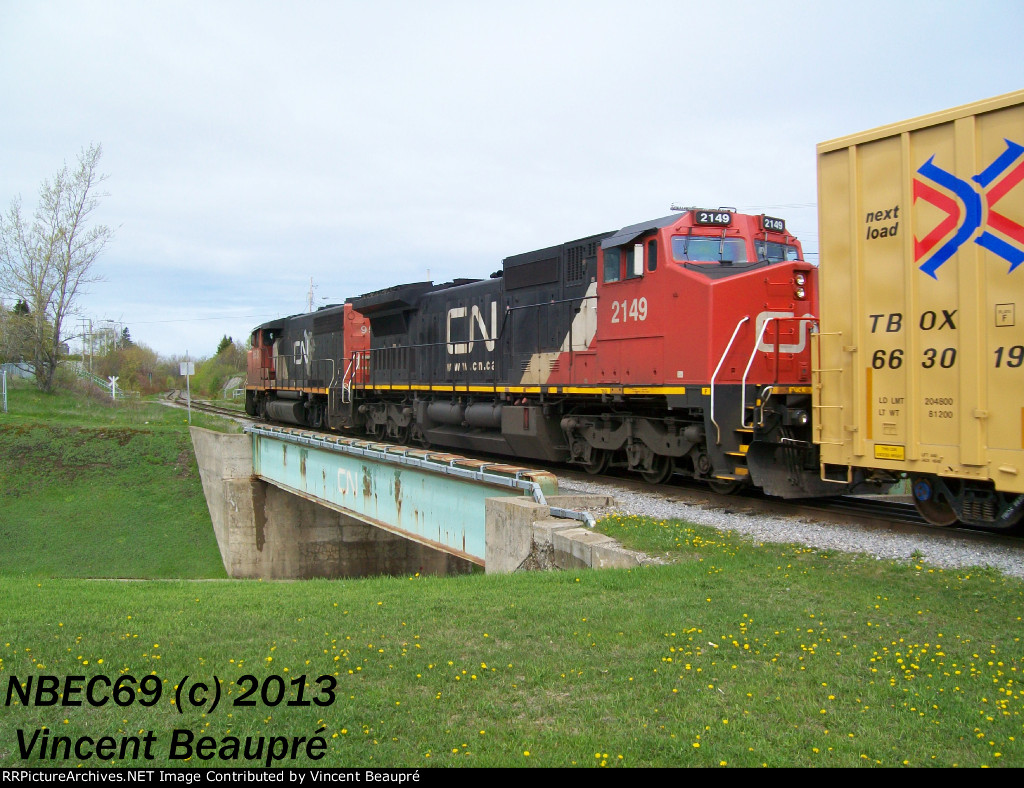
{"x": 94, "y": 489}
{"x": 735, "y": 654}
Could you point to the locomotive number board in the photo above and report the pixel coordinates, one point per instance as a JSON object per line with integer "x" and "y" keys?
{"x": 773, "y": 225}
{"x": 713, "y": 218}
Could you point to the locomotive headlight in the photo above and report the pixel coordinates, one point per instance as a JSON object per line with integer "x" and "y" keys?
{"x": 800, "y": 293}
{"x": 798, "y": 417}
{"x": 800, "y": 278}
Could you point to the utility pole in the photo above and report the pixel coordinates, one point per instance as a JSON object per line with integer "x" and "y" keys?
{"x": 310, "y": 295}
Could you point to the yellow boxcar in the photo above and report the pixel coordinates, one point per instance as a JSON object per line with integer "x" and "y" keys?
{"x": 920, "y": 355}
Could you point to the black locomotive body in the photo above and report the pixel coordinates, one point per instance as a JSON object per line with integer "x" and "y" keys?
{"x": 464, "y": 364}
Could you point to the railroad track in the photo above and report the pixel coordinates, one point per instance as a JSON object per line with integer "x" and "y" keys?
{"x": 884, "y": 513}
{"x": 178, "y": 398}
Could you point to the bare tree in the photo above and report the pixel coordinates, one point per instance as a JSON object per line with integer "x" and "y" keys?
{"x": 47, "y": 262}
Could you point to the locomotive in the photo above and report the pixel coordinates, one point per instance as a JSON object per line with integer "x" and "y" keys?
{"x": 679, "y": 345}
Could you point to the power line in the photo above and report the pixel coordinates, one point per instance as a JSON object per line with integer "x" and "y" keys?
{"x": 196, "y": 319}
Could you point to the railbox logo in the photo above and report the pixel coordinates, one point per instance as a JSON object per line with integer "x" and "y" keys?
{"x": 967, "y": 205}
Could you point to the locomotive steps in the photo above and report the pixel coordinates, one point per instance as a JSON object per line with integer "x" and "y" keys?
{"x": 274, "y": 518}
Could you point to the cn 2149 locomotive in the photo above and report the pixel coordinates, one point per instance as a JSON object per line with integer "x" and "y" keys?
{"x": 680, "y": 345}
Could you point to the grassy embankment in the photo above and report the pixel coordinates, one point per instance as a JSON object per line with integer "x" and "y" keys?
{"x": 93, "y": 489}
{"x": 736, "y": 654}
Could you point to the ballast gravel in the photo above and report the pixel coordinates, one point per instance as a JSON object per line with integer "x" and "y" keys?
{"x": 948, "y": 552}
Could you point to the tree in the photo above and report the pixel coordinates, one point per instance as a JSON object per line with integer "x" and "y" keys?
{"x": 15, "y": 329}
{"x": 225, "y": 343}
{"x": 126, "y": 339}
{"x": 46, "y": 262}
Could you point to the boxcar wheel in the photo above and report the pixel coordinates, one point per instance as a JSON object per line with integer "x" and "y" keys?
{"x": 930, "y": 506}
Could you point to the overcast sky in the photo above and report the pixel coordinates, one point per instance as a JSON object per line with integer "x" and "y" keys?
{"x": 252, "y": 146}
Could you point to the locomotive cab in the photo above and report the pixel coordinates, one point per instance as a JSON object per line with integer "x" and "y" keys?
{"x": 260, "y": 372}
{"x": 705, "y": 316}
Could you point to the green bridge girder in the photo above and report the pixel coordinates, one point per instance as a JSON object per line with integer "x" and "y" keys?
{"x": 430, "y": 497}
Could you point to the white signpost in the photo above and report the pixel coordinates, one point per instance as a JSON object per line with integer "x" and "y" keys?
{"x": 113, "y": 386}
{"x": 188, "y": 368}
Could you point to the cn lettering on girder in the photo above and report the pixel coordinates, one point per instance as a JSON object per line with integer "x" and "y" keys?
{"x": 346, "y": 482}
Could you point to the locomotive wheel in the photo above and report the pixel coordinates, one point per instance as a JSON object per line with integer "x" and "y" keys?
{"x": 660, "y": 472}
{"x": 417, "y": 436}
{"x": 933, "y": 509}
{"x": 599, "y": 459}
{"x": 724, "y": 486}
{"x": 402, "y": 434}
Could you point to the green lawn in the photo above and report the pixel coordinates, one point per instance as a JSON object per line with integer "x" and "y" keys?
{"x": 737, "y": 654}
{"x": 92, "y": 489}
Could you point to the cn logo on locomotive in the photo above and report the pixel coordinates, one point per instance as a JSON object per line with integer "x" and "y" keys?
{"x": 476, "y": 323}
{"x": 767, "y": 346}
{"x": 303, "y": 350}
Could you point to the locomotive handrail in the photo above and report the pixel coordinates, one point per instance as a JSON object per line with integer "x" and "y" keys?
{"x": 349, "y": 376}
{"x": 718, "y": 438}
{"x": 334, "y": 370}
{"x": 302, "y": 379}
{"x": 750, "y": 363}
{"x": 550, "y": 303}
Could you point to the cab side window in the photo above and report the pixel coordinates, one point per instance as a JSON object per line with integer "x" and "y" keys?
{"x": 612, "y": 265}
{"x": 634, "y": 261}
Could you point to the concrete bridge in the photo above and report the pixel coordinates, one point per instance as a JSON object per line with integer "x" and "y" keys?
{"x": 287, "y": 503}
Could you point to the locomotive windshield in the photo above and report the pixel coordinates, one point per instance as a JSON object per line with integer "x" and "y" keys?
{"x": 774, "y": 252}
{"x": 700, "y": 249}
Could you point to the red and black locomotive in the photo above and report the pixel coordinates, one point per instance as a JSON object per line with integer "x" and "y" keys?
{"x": 677, "y": 345}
